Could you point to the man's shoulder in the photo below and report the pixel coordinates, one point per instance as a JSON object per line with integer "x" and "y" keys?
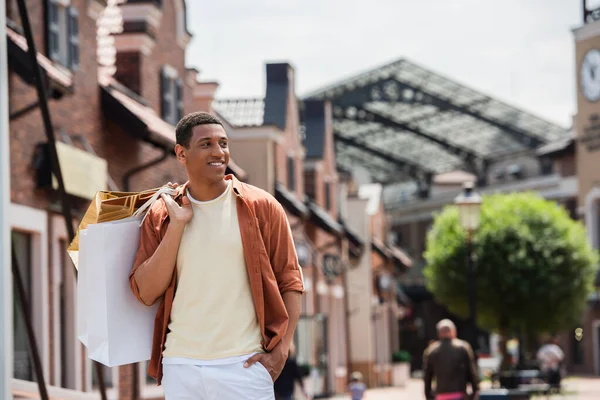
{"x": 461, "y": 344}
{"x": 257, "y": 196}
{"x": 158, "y": 211}
{"x": 432, "y": 348}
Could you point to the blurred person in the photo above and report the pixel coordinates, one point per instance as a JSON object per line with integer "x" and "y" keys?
{"x": 356, "y": 386}
{"x": 219, "y": 259}
{"x": 451, "y": 363}
{"x": 285, "y": 384}
{"x": 550, "y": 357}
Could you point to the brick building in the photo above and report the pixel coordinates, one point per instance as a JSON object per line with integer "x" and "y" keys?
{"x": 118, "y": 83}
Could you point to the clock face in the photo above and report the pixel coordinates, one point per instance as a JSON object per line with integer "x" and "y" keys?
{"x": 590, "y": 75}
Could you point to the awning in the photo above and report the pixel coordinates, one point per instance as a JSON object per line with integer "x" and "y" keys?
{"x": 401, "y": 295}
{"x": 18, "y": 60}
{"x": 401, "y": 260}
{"x": 290, "y": 202}
{"x": 323, "y": 220}
{"x": 130, "y": 111}
{"x": 392, "y": 253}
{"x": 556, "y": 148}
{"x": 381, "y": 249}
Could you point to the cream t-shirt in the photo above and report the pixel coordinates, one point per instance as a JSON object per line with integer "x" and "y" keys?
{"x": 213, "y": 313}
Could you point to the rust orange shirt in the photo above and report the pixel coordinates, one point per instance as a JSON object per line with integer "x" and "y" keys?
{"x": 270, "y": 258}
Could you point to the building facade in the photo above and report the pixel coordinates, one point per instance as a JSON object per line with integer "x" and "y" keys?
{"x": 117, "y": 84}
{"x": 582, "y": 342}
{"x": 266, "y": 137}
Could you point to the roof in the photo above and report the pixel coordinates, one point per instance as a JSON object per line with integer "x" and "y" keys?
{"x": 454, "y": 178}
{"x": 127, "y": 108}
{"x": 19, "y": 60}
{"x": 558, "y": 146}
{"x": 241, "y": 112}
{"x": 402, "y": 121}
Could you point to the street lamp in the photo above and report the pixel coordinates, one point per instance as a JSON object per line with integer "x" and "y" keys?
{"x": 469, "y": 210}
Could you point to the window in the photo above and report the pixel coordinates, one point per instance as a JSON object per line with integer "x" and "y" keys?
{"x": 291, "y": 170}
{"x": 171, "y": 89}
{"x": 327, "y": 196}
{"x": 547, "y": 166}
{"x": 22, "y": 366}
{"x": 62, "y": 33}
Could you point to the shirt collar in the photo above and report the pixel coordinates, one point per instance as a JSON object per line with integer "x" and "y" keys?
{"x": 237, "y": 187}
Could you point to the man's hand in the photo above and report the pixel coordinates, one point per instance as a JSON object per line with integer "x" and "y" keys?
{"x": 273, "y": 361}
{"x": 179, "y": 215}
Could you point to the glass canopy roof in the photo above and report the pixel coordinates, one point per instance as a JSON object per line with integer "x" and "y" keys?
{"x": 403, "y": 121}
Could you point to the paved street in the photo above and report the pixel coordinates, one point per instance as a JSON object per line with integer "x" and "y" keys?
{"x": 575, "y": 388}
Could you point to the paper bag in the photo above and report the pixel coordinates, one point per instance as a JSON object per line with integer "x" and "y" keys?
{"x": 110, "y": 206}
{"x": 118, "y": 328}
{"x": 115, "y": 327}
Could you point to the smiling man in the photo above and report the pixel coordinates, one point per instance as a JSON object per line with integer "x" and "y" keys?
{"x": 220, "y": 259}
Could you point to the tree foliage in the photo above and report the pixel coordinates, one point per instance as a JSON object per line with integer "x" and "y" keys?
{"x": 535, "y": 267}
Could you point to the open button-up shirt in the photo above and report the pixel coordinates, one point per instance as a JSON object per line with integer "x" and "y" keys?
{"x": 270, "y": 258}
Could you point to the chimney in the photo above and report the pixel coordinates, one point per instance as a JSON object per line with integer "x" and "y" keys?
{"x": 141, "y": 20}
{"x": 315, "y": 128}
{"x": 280, "y": 88}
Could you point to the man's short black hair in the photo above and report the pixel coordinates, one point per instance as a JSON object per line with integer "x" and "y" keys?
{"x": 183, "y": 131}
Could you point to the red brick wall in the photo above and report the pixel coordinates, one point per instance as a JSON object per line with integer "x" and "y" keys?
{"x": 128, "y": 71}
{"x": 166, "y": 51}
{"x": 80, "y": 114}
{"x": 67, "y": 113}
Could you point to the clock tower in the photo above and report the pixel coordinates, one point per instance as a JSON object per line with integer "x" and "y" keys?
{"x": 586, "y": 125}
{"x": 587, "y": 120}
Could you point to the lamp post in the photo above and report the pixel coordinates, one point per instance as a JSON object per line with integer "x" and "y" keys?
{"x": 469, "y": 208}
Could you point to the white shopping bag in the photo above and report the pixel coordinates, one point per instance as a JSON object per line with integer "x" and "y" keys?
{"x": 115, "y": 327}
{"x": 82, "y": 280}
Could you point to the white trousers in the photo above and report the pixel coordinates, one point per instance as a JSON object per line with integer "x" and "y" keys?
{"x": 217, "y": 382}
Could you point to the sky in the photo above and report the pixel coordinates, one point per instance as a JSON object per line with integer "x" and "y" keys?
{"x": 518, "y": 51}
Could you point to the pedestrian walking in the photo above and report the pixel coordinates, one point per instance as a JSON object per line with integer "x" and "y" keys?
{"x": 451, "y": 363}
{"x": 285, "y": 385}
{"x": 550, "y": 358}
{"x": 356, "y": 386}
{"x": 219, "y": 259}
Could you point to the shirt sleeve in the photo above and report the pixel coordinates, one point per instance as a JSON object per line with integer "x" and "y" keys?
{"x": 148, "y": 243}
{"x": 427, "y": 375}
{"x": 473, "y": 370}
{"x": 283, "y": 257}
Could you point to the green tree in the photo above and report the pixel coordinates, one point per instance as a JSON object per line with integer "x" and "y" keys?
{"x": 535, "y": 267}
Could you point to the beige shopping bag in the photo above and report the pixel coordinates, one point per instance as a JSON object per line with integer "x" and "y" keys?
{"x": 109, "y": 206}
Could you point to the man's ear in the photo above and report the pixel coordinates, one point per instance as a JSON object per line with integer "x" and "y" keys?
{"x": 180, "y": 153}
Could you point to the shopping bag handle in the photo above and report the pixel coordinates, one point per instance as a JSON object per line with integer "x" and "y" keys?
{"x": 150, "y": 202}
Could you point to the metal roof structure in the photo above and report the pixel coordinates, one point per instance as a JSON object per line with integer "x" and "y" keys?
{"x": 241, "y": 112}
{"x": 403, "y": 122}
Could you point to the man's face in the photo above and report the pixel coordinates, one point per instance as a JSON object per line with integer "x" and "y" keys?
{"x": 207, "y": 156}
